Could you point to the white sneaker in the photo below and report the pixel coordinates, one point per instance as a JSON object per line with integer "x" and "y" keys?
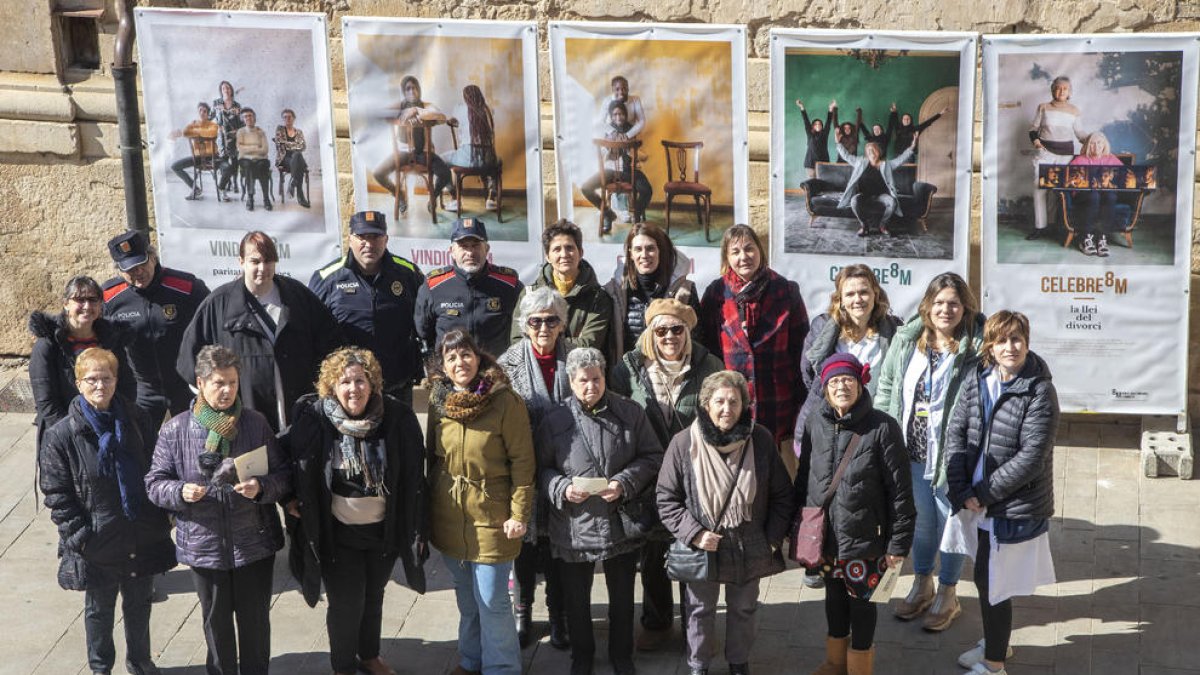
{"x": 450, "y": 205}
{"x": 974, "y": 656}
{"x": 1102, "y": 247}
{"x": 490, "y": 204}
{"x": 980, "y": 669}
{"x": 623, "y": 216}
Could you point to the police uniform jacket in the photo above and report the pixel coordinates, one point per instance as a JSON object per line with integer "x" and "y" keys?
{"x": 482, "y": 303}
{"x": 375, "y": 315}
{"x": 306, "y": 334}
{"x": 158, "y": 315}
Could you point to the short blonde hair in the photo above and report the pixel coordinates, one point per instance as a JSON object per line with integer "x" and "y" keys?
{"x": 999, "y": 326}
{"x": 336, "y": 364}
{"x": 95, "y": 356}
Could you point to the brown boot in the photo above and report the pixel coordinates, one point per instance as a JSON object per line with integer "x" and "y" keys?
{"x": 918, "y": 600}
{"x": 835, "y": 657}
{"x": 944, "y": 610}
{"x": 860, "y": 661}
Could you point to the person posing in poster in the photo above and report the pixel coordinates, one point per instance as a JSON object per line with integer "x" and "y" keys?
{"x": 201, "y": 134}
{"x": 289, "y": 155}
{"x": 413, "y": 110}
{"x": 635, "y": 116}
{"x": 252, "y": 149}
{"x": 877, "y": 134}
{"x": 1000, "y": 468}
{"x": 1054, "y": 131}
{"x": 754, "y": 319}
{"x": 479, "y": 132}
{"x": 818, "y": 137}
{"x": 871, "y": 186}
{"x": 1099, "y": 205}
{"x": 919, "y": 384}
{"x": 906, "y": 131}
{"x": 618, "y": 165}
{"x": 227, "y": 113}
{"x": 278, "y": 328}
{"x": 869, "y": 515}
{"x": 845, "y": 134}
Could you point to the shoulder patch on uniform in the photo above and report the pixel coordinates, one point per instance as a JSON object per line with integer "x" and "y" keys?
{"x": 332, "y": 267}
{"x": 439, "y": 276}
{"x": 506, "y": 274}
{"x": 404, "y": 263}
{"x": 114, "y": 290}
{"x": 178, "y": 283}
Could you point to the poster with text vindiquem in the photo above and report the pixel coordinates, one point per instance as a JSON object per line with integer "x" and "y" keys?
{"x": 1088, "y": 167}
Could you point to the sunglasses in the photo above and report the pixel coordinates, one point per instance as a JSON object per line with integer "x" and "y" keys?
{"x": 536, "y": 322}
{"x": 675, "y": 330}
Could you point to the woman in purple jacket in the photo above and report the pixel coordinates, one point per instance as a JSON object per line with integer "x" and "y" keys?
{"x": 227, "y": 529}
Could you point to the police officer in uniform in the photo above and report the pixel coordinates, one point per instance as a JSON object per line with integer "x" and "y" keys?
{"x": 158, "y": 303}
{"x": 472, "y": 293}
{"x": 371, "y": 294}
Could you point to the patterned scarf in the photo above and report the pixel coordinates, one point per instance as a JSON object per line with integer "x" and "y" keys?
{"x": 747, "y": 294}
{"x": 467, "y": 404}
{"x": 114, "y": 459}
{"x": 355, "y": 458}
{"x": 221, "y": 424}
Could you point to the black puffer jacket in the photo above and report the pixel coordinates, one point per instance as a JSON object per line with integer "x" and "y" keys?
{"x": 872, "y": 512}
{"x": 1018, "y": 477}
{"x": 98, "y": 546}
{"x": 614, "y": 442}
{"x": 52, "y": 365}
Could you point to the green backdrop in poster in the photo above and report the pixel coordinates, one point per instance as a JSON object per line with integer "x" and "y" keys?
{"x": 817, "y": 79}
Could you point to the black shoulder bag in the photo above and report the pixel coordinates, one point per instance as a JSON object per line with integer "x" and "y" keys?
{"x": 689, "y": 564}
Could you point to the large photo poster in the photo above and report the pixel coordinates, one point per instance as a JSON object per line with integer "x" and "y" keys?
{"x": 444, "y": 123}
{"x": 1087, "y": 209}
{"x": 871, "y": 157}
{"x": 650, "y": 126}
{"x": 240, "y": 132}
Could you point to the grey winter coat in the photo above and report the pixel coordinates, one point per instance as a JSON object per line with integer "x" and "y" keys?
{"x": 613, "y": 442}
{"x": 872, "y": 511}
{"x": 860, "y": 164}
{"x": 751, "y": 550}
{"x": 1018, "y": 475}
{"x": 223, "y": 530}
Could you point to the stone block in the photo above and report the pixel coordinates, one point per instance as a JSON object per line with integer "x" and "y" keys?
{"x": 29, "y": 45}
{"x": 99, "y": 139}
{"x": 22, "y": 137}
{"x": 46, "y": 104}
{"x": 1165, "y": 451}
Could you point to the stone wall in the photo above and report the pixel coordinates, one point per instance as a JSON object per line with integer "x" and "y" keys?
{"x": 60, "y": 176}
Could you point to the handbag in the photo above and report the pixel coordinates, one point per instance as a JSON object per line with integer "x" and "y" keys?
{"x": 687, "y": 563}
{"x": 808, "y": 534}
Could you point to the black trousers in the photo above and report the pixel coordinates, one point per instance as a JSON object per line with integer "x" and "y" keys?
{"x": 658, "y": 600}
{"x": 849, "y": 616}
{"x": 997, "y": 619}
{"x": 257, "y": 170}
{"x": 355, "y": 580}
{"x": 525, "y": 569}
{"x": 245, "y": 593}
{"x": 619, "y": 575}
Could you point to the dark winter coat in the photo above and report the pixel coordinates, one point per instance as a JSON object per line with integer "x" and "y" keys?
{"x": 751, "y": 550}
{"x": 98, "y": 546}
{"x": 589, "y": 310}
{"x": 872, "y": 511}
{"x": 52, "y": 365}
{"x": 631, "y": 378}
{"x": 312, "y": 442}
{"x": 223, "y": 530}
{"x": 821, "y": 343}
{"x": 629, "y": 308}
{"x": 1018, "y": 475}
{"x": 769, "y": 355}
{"x": 306, "y": 334}
{"x": 613, "y": 442}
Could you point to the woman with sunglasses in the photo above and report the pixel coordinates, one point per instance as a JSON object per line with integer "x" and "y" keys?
{"x": 537, "y": 367}
{"x": 61, "y": 338}
{"x": 663, "y": 374}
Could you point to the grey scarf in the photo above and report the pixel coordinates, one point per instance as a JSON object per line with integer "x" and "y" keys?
{"x": 357, "y": 459}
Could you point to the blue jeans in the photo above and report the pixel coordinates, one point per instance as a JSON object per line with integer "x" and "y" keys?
{"x": 487, "y": 634}
{"x": 99, "y": 608}
{"x": 933, "y": 508}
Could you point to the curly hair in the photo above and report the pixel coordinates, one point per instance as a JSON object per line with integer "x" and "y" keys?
{"x": 335, "y": 365}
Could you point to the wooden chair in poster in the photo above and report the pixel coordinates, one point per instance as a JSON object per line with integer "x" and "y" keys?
{"x": 1127, "y": 210}
{"x": 410, "y": 158}
{"x": 605, "y": 149}
{"x": 678, "y": 184}
{"x": 204, "y": 159}
{"x": 495, "y": 172}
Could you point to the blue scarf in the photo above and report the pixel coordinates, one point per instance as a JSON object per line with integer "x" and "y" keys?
{"x": 114, "y": 458}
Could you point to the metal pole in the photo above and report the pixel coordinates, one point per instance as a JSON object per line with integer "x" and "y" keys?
{"x": 128, "y": 120}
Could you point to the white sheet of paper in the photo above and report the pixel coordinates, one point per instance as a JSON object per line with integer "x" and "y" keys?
{"x": 589, "y": 485}
{"x": 887, "y": 585}
{"x": 251, "y": 464}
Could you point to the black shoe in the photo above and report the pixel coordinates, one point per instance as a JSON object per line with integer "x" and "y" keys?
{"x": 582, "y": 667}
{"x": 303, "y": 201}
{"x": 267, "y": 204}
{"x": 739, "y": 669}
{"x": 524, "y": 625}
{"x": 195, "y": 194}
{"x": 624, "y": 668}
{"x": 698, "y": 671}
{"x": 250, "y": 204}
{"x": 862, "y": 231}
{"x": 1102, "y": 247}
{"x": 143, "y": 668}
{"x": 560, "y": 637}
{"x": 1035, "y": 235}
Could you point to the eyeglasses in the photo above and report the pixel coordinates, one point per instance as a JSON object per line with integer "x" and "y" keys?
{"x": 675, "y": 330}
{"x": 536, "y": 322}
{"x": 98, "y": 381}
{"x": 842, "y": 382}
{"x": 85, "y": 299}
